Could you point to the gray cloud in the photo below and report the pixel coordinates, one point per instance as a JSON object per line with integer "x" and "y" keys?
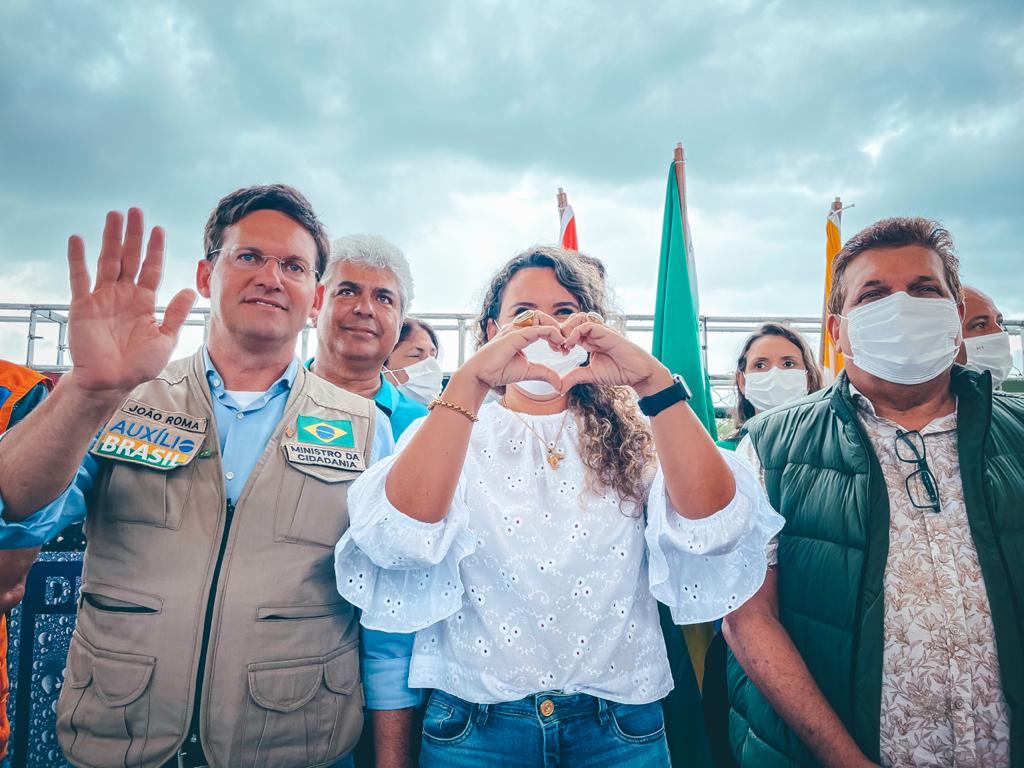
{"x": 447, "y": 126}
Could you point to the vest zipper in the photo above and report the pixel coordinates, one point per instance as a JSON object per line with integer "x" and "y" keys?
{"x": 193, "y": 738}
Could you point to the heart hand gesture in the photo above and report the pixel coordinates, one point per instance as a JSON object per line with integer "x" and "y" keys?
{"x": 614, "y": 359}
{"x": 501, "y": 360}
{"x": 115, "y": 339}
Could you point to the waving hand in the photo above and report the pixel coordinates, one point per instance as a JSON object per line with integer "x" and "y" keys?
{"x": 115, "y": 339}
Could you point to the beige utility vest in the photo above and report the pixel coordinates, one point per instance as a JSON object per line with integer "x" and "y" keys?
{"x": 281, "y": 680}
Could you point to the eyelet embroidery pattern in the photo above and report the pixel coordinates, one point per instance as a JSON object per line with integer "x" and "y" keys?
{"x": 531, "y": 583}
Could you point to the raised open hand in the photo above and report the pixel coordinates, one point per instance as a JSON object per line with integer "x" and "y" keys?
{"x": 115, "y": 339}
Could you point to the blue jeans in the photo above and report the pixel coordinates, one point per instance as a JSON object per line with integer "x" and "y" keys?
{"x": 544, "y": 730}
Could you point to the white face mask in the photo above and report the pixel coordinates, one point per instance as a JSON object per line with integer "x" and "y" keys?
{"x": 541, "y": 353}
{"x": 904, "y": 339}
{"x": 425, "y": 379}
{"x": 774, "y": 387}
{"x": 990, "y": 353}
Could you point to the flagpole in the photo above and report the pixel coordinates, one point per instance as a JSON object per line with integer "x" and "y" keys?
{"x": 563, "y": 203}
{"x": 679, "y": 163}
{"x": 829, "y": 356}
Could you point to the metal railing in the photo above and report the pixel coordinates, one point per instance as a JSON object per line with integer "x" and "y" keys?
{"x": 46, "y": 345}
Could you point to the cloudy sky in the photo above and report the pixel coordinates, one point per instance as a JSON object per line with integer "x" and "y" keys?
{"x": 447, "y": 127}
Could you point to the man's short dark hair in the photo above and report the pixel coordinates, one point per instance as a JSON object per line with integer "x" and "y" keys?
{"x": 896, "y": 233}
{"x": 235, "y": 206}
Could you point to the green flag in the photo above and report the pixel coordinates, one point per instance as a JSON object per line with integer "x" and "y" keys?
{"x": 677, "y": 345}
{"x": 676, "y": 329}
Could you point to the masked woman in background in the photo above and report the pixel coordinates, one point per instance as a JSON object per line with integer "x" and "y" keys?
{"x": 527, "y": 540}
{"x": 412, "y": 365}
{"x": 776, "y": 366}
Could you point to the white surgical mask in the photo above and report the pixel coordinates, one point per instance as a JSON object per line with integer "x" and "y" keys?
{"x": 904, "y": 339}
{"x": 774, "y": 387}
{"x": 425, "y": 379}
{"x": 990, "y": 353}
{"x": 541, "y": 353}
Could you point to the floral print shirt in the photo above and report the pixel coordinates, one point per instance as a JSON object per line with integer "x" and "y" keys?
{"x": 942, "y": 701}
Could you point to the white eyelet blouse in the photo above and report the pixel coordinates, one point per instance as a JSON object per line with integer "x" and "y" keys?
{"x": 531, "y": 583}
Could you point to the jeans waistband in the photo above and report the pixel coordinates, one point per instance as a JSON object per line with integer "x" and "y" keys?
{"x": 546, "y": 705}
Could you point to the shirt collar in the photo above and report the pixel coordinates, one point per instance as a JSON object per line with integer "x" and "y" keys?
{"x": 867, "y": 409}
{"x": 217, "y": 390}
{"x": 386, "y": 397}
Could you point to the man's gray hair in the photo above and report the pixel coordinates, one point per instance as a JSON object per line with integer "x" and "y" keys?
{"x": 373, "y": 251}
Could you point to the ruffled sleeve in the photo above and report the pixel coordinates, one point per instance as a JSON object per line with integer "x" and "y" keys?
{"x": 703, "y": 569}
{"x": 402, "y": 573}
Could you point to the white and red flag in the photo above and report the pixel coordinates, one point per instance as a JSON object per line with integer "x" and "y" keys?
{"x": 567, "y": 236}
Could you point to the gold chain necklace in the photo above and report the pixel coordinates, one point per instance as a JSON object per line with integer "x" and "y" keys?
{"x": 554, "y": 456}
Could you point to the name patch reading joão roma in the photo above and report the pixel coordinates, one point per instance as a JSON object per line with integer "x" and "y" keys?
{"x": 141, "y": 434}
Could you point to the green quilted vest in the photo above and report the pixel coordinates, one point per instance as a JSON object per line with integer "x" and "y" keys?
{"x": 822, "y": 475}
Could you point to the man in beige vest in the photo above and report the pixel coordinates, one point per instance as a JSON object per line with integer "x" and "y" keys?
{"x": 214, "y": 489}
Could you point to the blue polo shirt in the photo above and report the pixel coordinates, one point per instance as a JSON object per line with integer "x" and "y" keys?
{"x": 401, "y": 409}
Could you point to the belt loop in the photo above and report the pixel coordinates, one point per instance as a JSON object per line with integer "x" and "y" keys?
{"x": 602, "y": 711}
{"x": 481, "y": 713}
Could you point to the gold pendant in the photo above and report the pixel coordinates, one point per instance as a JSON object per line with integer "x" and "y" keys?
{"x": 554, "y": 457}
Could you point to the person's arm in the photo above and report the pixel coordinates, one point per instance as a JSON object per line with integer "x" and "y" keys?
{"x": 390, "y": 702}
{"x": 392, "y": 736}
{"x": 116, "y": 343}
{"x": 697, "y": 479}
{"x": 767, "y": 654}
{"x": 14, "y": 567}
{"x": 422, "y": 481}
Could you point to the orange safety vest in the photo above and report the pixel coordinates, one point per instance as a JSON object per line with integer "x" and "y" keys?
{"x": 15, "y": 382}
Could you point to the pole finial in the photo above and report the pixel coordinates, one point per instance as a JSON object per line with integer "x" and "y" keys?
{"x": 678, "y": 155}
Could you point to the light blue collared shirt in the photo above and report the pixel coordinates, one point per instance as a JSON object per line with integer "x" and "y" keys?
{"x": 386, "y": 656}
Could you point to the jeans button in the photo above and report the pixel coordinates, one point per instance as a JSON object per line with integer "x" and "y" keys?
{"x": 547, "y": 707}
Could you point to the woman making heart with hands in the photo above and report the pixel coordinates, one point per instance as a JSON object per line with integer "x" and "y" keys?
{"x": 526, "y": 541}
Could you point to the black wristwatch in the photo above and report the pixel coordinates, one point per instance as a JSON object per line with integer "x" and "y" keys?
{"x": 676, "y": 392}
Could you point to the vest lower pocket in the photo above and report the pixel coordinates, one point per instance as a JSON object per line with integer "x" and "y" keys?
{"x": 311, "y": 504}
{"x": 103, "y": 713}
{"x": 302, "y": 711}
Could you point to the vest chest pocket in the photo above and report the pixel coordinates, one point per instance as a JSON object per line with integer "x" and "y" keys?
{"x": 103, "y": 713}
{"x": 311, "y": 504}
{"x": 303, "y": 712}
{"x": 137, "y": 494}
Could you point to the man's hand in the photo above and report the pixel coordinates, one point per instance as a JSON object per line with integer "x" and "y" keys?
{"x": 116, "y": 344}
{"x": 115, "y": 340}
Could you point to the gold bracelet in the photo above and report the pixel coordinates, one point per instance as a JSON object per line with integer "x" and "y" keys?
{"x": 457, "y": 408}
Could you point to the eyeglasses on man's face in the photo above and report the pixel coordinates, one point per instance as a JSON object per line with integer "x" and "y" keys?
{"x": 921, "y": 486}
{"x": 292, "y": 268}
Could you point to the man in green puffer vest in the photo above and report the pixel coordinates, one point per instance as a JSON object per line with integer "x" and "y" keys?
{"x": 891, "y": 630}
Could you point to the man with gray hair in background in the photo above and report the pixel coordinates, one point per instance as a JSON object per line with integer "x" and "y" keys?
{"x": 368, "y": 287}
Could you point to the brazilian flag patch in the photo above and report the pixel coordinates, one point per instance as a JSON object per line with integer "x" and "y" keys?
{"x": 314, "y": 431}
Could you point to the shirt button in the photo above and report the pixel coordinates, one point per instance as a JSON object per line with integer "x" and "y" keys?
{"x": 229, "y": 475}
{"x": 239, "y": 416}
{"x": 958, "y": 703}
{"x": 216, "y": 382}
{"x": 547, "y": 707}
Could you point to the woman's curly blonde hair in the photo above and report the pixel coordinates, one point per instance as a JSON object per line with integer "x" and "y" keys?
{"x": 617, "y": 445}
